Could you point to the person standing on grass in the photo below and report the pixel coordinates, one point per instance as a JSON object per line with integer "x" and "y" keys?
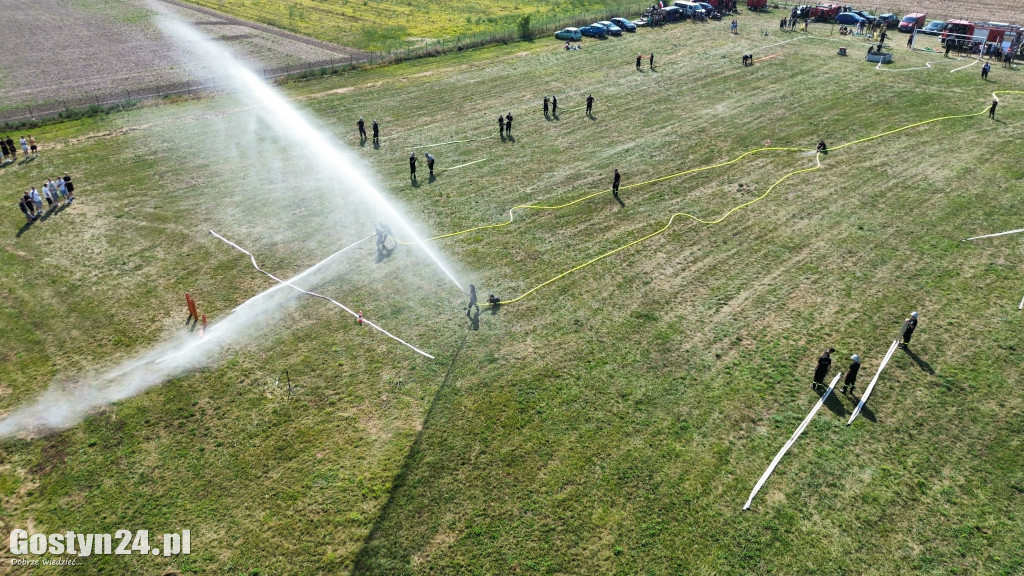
{"x": 554, "y": 105}
{"x": 984, "y": 71}
{"x": 382, "y": 236}
{"x": 824, "y": 362}
{"x": 909, "y": 325}
{"x": 501, "y": 126}
{"x": 590, "y": 103}
{"x": 47, "y": 196}
{"x": 32, "y": 145}
{"x": 54, "y": 190}
{"x": 62, "y": 189}
{"x": 851, "y": 374}
{"x": 24, "y": 146}
{"x": 4, "y": 151}
{"x": 70, "y": 187}
{"x": 412, "y": 166}
{"x": 27, "y": 199}
{"x": 376, "y": 130}
{"x": 362, "y": 128}
{"x": 546, "y": 101}
{"x": 472, "y": 299}
{"x": 639, "y": 58}
{"x": 651, "y": 62}
{"x": 24, "y": 207}
{"x": 14, "y": 151}
{"x": 992, "y": 109}
{"x": 36, "y": 199}
{"x": 430, "y": 163}
{"x": 615, "y": 183}
{"x": 508, "y": 124}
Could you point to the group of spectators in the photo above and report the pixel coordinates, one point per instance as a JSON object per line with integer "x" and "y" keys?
{"x": 10, "y": 151}
{"x": 56, "y": 192}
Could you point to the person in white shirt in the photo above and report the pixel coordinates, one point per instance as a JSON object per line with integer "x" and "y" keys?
{"x": 36, "y": 199}
{"x": 49, "y": 198}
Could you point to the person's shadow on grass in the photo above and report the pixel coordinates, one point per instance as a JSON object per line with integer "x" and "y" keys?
{"x": 376, "y": 145}
{"x": 619, "y": 200}
{"x": 591, "y": 116}
{"x": 24, "y": 228}
{"x": 917, "y": 360}
{"x": 474, "y": 318}
{"x": 547, "y": 116}
{"x": 866, "y": 411}
{"x": 26, "y": 160}
{"x": 511, "y": 139}
{"x": 431, "y": 178}
{"x": 834, "y": 404}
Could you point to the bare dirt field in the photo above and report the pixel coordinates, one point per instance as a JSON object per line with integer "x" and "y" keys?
{"x": 55, "y": 50}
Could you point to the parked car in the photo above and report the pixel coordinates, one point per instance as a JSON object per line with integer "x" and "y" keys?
{"x": 624, "y": 24}
{"x": 569, "y": 34}
{"x": 865, "y": 15}
{"x": 610, "y": 28}
{"x": 890, "y": 20}
{"x": 673, "y": 13}
{"x": 849, "y": 19}
{"x": 690, "y": 9}
{"x": 933, "y": 28}
{"x": 911, "y": 22}
{"x": 594, "y": 31}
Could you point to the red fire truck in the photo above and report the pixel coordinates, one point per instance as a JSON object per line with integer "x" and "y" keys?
{"x": 825, "y": 12}
{"x": 722, "y": 6}
{"x": 975, "y": 36}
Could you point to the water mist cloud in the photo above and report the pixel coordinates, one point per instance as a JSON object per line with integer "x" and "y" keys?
{"x": 62, "y": 406}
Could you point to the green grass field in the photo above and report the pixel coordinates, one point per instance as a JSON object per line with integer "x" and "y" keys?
{"x": 611, "y": 422}
{"x": 390, "y": 24}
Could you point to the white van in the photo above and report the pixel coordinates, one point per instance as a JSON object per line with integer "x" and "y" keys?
{"x": 690, "y": 9}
